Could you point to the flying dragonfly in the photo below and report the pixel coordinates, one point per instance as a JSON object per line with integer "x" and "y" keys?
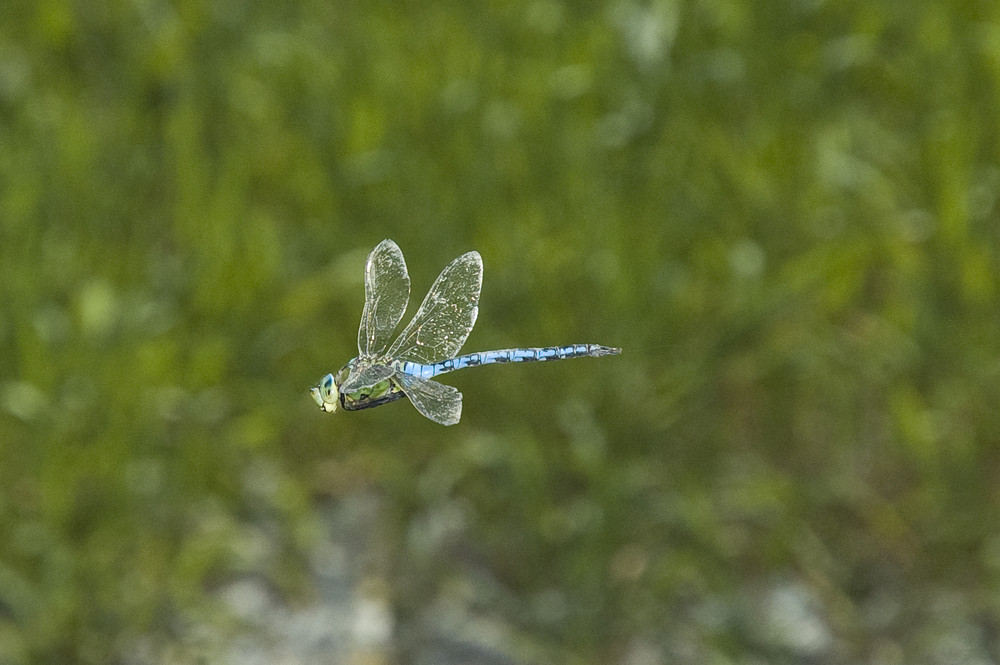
{"x": 427, "y": 346}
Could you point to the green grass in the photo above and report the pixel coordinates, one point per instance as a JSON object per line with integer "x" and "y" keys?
{"x": 786, "y": 216}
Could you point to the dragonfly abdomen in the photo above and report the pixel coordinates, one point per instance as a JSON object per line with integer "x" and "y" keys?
{"x": 537, "y": 354}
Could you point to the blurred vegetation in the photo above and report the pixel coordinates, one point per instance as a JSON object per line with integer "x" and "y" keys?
{"x": 785, "y": 213}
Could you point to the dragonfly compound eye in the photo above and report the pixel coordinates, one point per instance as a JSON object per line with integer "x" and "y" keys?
{"x": 325, "y": 394}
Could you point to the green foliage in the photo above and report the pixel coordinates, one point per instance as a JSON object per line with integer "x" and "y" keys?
{"x": 785, "y": 214}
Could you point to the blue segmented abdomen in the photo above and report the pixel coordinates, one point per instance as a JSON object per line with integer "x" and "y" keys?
{"x": 508, "y": 356}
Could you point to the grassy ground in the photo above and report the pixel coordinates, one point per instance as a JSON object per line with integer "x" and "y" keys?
{"x": 785, "y": 214}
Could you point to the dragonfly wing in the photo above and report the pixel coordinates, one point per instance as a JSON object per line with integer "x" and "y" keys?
{"x": 446, "y": 316}
{"x": 364, "y": 376}
{"x": 437, "y": 401}
{"x": 387, "y": 290}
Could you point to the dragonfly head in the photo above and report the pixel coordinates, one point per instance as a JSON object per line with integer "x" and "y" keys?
{"x": 326, "y": 394}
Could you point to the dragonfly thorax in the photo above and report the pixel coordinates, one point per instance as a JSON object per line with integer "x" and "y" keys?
{"x": 330, "y": 394}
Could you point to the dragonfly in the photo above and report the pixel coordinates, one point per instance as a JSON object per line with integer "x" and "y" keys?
{"x": 384, "y": 372}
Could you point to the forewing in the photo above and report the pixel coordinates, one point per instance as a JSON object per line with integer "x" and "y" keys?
{"x": 446, "y": 317}
{"x": 437, "y": 401}
{"x": 387, "y": 290}
{"x": 364, "y": 376}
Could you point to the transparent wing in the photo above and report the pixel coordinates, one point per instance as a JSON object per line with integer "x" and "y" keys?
{"x": 365, "y": 375}
{"x": 387, "y": 290}
{"x": 437, "y": 401}
{"x": 445, "y": 318}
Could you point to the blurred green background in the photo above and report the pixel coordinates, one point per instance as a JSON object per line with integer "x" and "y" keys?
{"x": 784, "y": 212}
